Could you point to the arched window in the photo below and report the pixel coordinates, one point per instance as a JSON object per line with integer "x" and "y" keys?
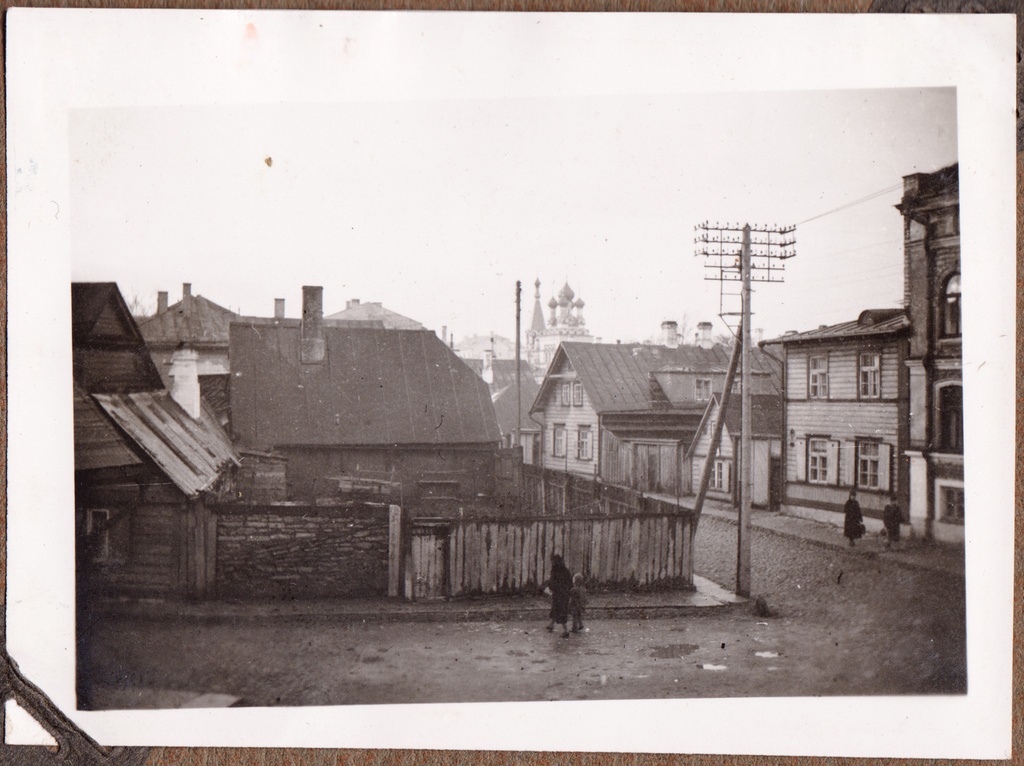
{"x": 951, "y": 418}
{"x": 951, "y": 307}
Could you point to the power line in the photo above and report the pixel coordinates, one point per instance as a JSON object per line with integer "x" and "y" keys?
{"x": 860, "y": 201}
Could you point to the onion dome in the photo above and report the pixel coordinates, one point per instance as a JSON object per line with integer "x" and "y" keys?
{"x": 579, "y": 304}
{"x": 565, "y": 295}
{"x": 552, "y": 304}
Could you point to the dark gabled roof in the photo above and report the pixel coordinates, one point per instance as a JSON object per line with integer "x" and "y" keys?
{"x": 617, "y": 376}
{"x": 99, "y": 313}
{"x": 194, "y": 320}
{"x": 191, "y": 453}
{"x": 870, "y": 323}
{"x": 374, "y": 387}
{"x": 109, "y": 353}
{"x": 765, "y": 414}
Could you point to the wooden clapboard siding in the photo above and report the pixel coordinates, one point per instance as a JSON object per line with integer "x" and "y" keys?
{"x": 573, "y": 417}
{"x": 843, "y": 370}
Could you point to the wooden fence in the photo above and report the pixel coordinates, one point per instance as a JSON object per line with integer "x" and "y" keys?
{"x": 514, "y": 556}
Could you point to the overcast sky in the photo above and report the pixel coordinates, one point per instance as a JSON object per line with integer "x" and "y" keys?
{"x": 436, "y": 208}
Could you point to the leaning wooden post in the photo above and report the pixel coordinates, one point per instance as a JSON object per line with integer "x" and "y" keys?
{"x": 716, "y": 436}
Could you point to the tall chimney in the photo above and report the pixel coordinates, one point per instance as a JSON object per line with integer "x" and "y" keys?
{"x": 311, "y": 349}
{"x": 704, "y": 339}
{"x": 186, "y": 297}
{"x": 184, "y": 374}
{"x": 444, "y": 334}
{"x": 758, "y": 334}
{"x": 278, "y": 308}
{"x": 161, "y": 302}
{"x": 670, "y": 332}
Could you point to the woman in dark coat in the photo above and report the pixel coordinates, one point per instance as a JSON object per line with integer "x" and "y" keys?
{"x": 560, "y": 584}
{"x": 853, "y": 526}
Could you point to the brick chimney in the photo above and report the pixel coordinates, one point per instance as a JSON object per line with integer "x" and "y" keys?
{"x": 186, "y": 297}
{"x": 704, "y": 339}
{"x": 670, "y": 333}
{"x": 352, "y": 303}
{"x": 161, "y": 302}
{"x": 184, "y": 374}
{"x": 278, "y": 308}
{"x": 311, "y": 349}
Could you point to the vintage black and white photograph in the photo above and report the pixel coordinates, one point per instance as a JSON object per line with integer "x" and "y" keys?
{"x": 482, "y": 393}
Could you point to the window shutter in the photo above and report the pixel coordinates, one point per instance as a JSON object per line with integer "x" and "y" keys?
{"x": 884, "y": 451}
{"x": 849, "y": 455}
{"x": 727, "y": 475}
{"x": 832, "y": 470}
{"x": 800, "y": 450}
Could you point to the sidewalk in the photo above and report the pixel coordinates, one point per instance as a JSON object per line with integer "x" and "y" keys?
{"x": 912, "y": 551}
{"x": 605, "y": 606}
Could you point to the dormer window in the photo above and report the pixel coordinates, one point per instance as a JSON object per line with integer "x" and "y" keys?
{"x": 951, "y": 307}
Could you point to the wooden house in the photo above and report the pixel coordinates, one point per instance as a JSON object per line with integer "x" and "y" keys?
{"x": 627, "y": 413}
{"x": 147, "y": 460}
{"x": 348, "y": 404}
{"x": 931, "y": 294}
{"x": 766, "y": 437}
{"x": 846, "y": 414}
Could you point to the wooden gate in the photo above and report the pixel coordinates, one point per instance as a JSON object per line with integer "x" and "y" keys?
{"x": 428, "y": 559}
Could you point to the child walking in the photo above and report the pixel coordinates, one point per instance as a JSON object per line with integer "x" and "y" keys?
{"x": 577, "y": 602}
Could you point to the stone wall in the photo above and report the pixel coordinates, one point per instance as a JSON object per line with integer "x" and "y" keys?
{"x": 302, "y": 551}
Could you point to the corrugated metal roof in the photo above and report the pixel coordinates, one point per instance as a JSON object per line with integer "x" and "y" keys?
{"x": 374, "y": 387}
{"x": 193, "y": 320}
{"x": 98, "y": 444}
{"x": 617, "y": 377}
{"x": 191, "y": 453}
{"x": 871, "y": 322}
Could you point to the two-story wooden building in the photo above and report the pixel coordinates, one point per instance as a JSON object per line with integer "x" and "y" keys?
{"x": 846, "y": 409}
{"x": 627, "y": 413}
{"x": 931, "y": 294}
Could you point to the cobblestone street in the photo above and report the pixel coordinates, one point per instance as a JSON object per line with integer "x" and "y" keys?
{"x": 844, "y": 623}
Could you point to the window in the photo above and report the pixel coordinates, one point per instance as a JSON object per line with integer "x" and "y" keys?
{"x": 817, "y": 461}
{"x": 817, "y": 377}
{"x": 702, "y": 389}
{"x": 558, "y": 435}
{"x": 567, "y": 394}
{"x": 951, "y": 418}
{"x": 951, "y": 307}
{"x": 867, "y": 465}
{"x": 97, "y": 532}
{"x": 870, "y": 375}
{"x": 584, "y": 444}
{"x": 720, "y": 476}
{"x": 577, "y": 394}
{"x": 951, "y": 505}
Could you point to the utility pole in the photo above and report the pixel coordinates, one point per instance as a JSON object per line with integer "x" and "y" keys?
{"x": 519, "y": 397}
{"x": 746, "y": 453}
{"x": 732, "y": 255}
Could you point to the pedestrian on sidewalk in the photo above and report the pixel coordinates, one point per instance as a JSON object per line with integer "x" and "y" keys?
{"x": 853, "y": 524}
{"x": 891, "y": 517}
{"x": 559, "y": 585}
{"x": 577, "y": 602}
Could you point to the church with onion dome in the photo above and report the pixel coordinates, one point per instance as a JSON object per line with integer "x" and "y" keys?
{"x": 565, "y": 322}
